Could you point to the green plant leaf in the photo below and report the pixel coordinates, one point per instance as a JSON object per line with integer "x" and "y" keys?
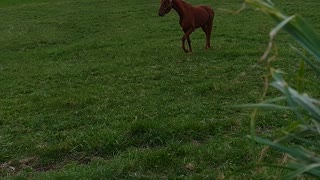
{"x": 295, "y": 152}
{"x": 297, "y": 27}
{"x": 264, "y": 106}
{"x": 308, "y": 61}
{"x": 310, "y": 168}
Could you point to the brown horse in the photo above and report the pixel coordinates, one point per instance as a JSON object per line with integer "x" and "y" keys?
{"x": 191, "y": 17}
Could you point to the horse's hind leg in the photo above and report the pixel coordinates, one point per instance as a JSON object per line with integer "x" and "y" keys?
{"x": 205, "y": 29}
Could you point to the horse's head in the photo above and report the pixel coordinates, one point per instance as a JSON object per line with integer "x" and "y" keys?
{"x": 166, "y": 6}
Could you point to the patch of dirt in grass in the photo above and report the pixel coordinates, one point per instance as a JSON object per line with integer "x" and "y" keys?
{"x": 33, "y": 164}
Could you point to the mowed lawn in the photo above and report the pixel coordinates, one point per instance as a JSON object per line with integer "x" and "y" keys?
{"x": 102, "y": 89}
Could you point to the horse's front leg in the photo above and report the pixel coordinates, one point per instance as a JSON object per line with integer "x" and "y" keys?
{"x": 186, "y": 36}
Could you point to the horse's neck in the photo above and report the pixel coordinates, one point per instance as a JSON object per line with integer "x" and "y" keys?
{"x": 181, "y": 7}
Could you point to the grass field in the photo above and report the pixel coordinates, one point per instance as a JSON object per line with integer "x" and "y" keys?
{"x": 102, "y": 89}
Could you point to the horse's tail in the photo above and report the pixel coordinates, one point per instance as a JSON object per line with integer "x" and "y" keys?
{"x": 211, "y": 16}
{"x": 209, "y": 22}
{"x": 210, "y": 11}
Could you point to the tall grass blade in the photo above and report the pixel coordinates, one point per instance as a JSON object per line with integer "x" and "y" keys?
{"x": 305, "y": 35}
{"x": 305, "y": 169}
{"x": 306, "y": 108}
{"x": 273, "y": 34}
{"x": 296, "y": 152}
{"x": 265, "y": 106}
{"x": 301, "y": 31}
{"x": 294, "y": 98}
{"x": 307, "y": 60}
{"x": 301, "y": 76}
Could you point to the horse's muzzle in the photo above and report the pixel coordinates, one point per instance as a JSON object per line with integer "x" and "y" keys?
{"x": 161, "y": 14}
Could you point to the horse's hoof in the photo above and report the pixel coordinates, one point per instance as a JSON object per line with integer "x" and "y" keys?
{"x": 186, "y": 51}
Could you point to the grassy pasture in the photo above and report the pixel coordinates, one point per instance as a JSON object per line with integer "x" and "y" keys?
{"x": 102, "y": 88}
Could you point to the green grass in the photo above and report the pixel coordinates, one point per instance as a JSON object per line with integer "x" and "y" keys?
{"x": 102, "y": 88}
